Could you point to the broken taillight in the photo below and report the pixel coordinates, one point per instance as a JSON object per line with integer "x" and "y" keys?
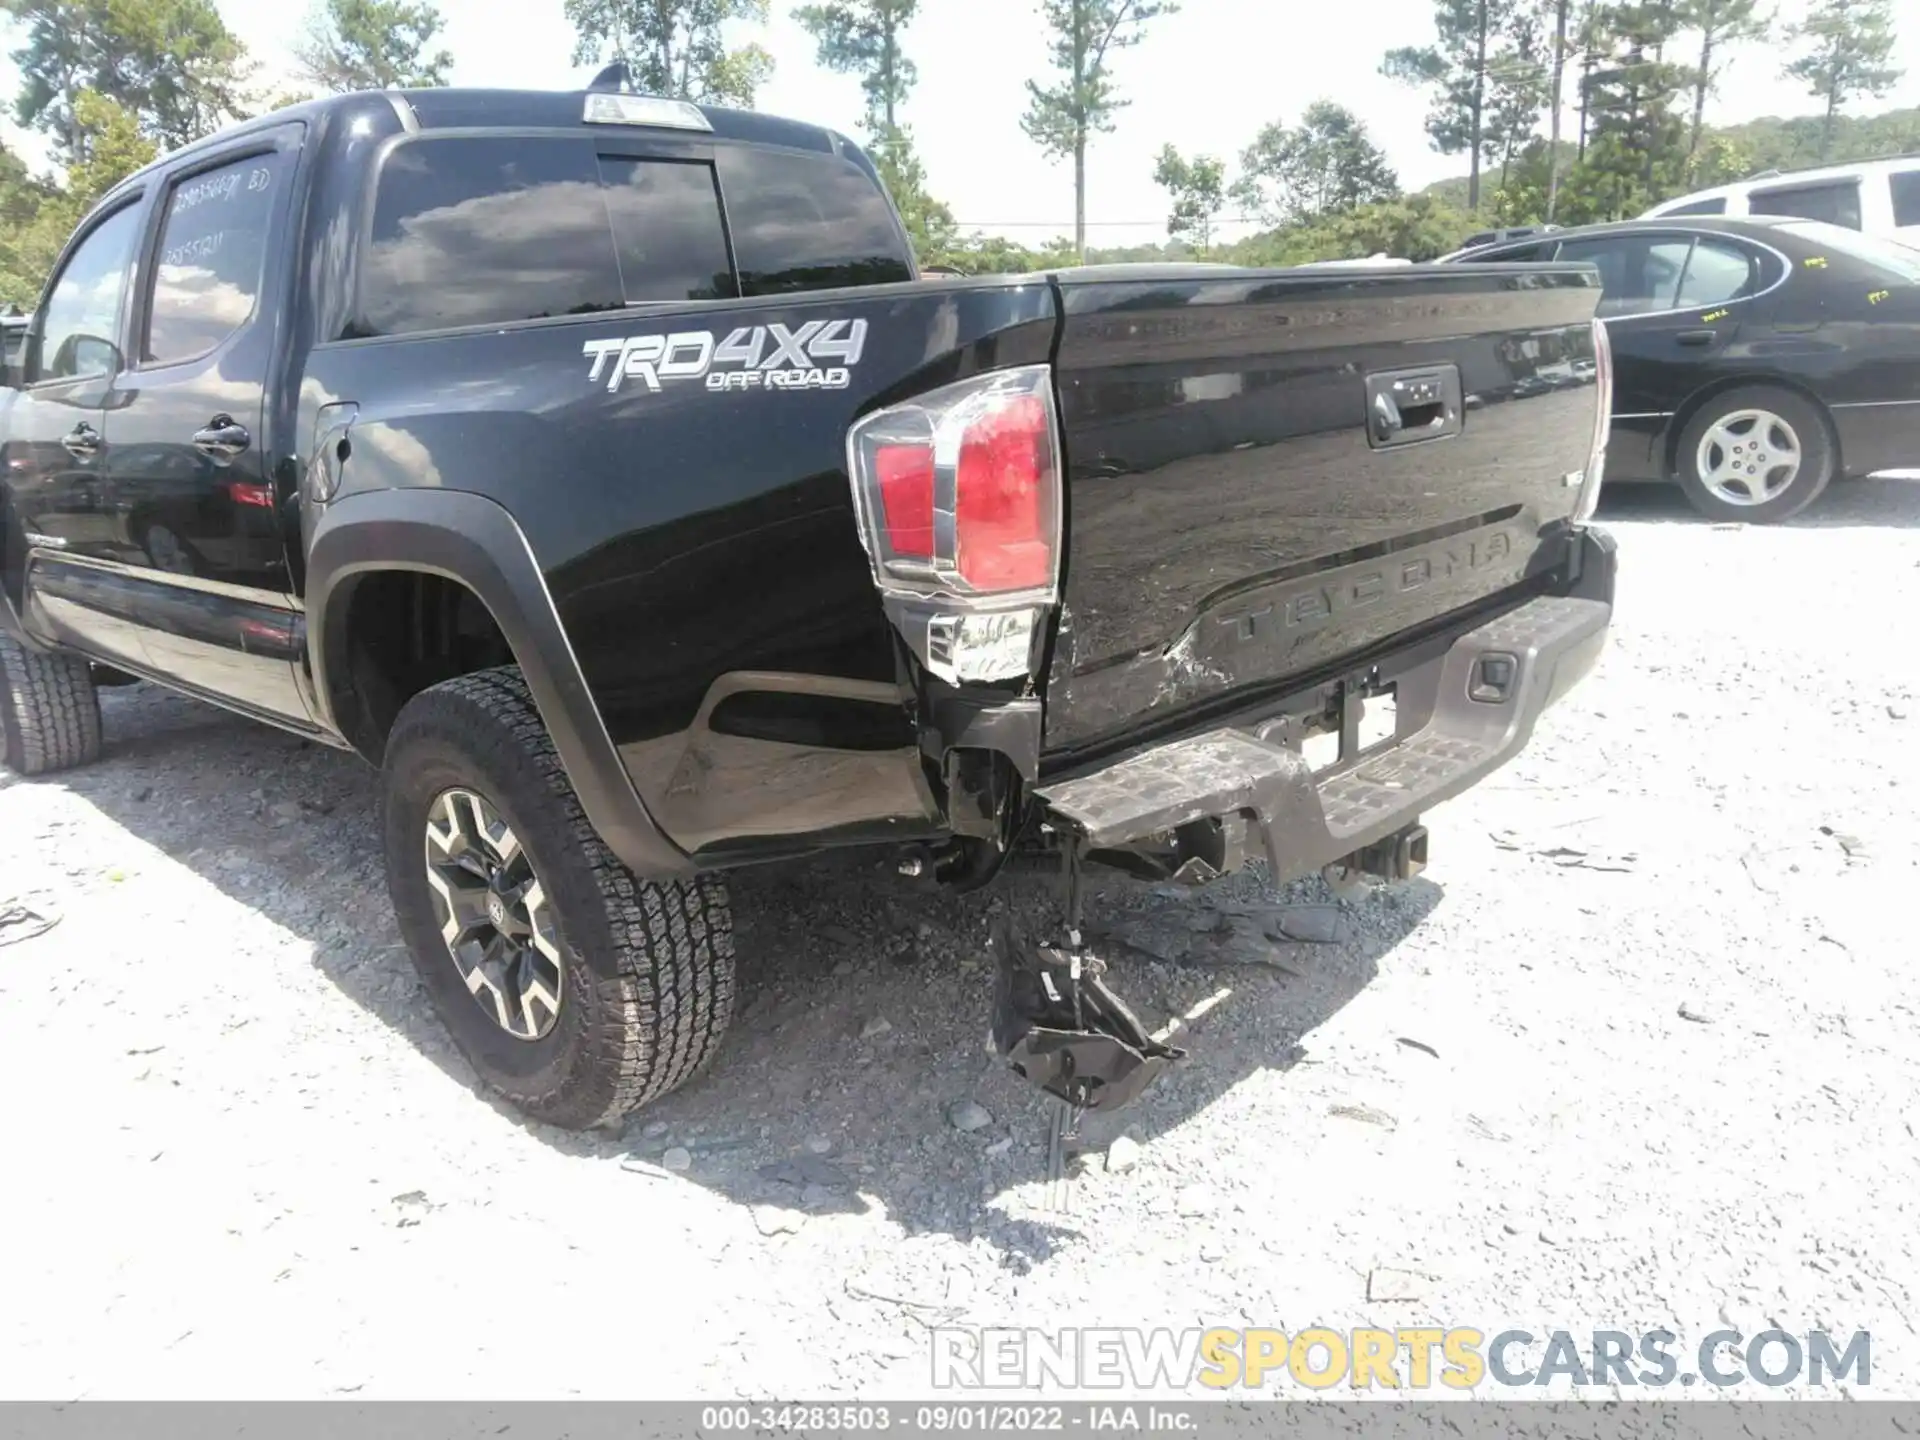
{"x": 958, "y": 490}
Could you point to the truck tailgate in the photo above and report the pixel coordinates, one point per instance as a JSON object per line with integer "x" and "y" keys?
{"x": 1240, "y": 508}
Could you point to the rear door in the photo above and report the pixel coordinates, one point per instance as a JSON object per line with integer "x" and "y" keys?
{"x": 202, "y": 524}
{"x": 1672, "y": 304}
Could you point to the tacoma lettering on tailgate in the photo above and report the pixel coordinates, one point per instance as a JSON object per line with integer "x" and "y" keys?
{"x": 1314, "y": 604}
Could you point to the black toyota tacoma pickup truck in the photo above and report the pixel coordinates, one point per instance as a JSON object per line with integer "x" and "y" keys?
{"x": 599, "y": 468}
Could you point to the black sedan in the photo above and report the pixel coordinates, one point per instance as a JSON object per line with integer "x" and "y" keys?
{"x": 1754, "y": 360}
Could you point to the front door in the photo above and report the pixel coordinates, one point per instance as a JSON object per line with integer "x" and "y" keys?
{"x": 60, "y": 518}
{"x": 199, "y": 520}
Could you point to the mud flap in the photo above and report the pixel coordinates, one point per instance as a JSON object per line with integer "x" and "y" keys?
{"x": 1059, "y": 1026}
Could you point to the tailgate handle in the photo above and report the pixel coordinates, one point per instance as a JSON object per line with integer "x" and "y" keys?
{"x": 1405, "y": 406}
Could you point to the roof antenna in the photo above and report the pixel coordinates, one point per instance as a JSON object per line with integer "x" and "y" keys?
{"x": 616, "y": 77}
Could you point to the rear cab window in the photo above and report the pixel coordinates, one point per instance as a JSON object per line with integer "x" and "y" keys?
{"x": 806, "y": 221}
{"x": 477, "y": 231}
{"x": 485, "y": 229}
{"x": 1716, "y": 206}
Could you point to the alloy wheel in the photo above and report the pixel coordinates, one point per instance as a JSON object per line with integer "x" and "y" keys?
{"x": 494, "y": 914}
{"x": 1748, "y": 457}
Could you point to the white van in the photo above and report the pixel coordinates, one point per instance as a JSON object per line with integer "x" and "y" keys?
{"x": 1879, "y": 197}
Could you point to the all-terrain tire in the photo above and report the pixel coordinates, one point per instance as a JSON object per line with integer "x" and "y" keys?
{"x": 1808, "y": 425}
{"x": 647, "y": 967}
{"x": 49, "y": 712}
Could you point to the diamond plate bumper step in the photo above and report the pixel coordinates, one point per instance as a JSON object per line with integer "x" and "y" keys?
{"x": 1493, "y": 684}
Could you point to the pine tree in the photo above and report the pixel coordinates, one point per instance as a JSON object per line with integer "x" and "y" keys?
{"x": 1851, "y": 47}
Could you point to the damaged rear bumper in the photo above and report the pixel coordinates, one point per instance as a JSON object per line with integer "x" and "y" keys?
{"x": 1461, "y": 713}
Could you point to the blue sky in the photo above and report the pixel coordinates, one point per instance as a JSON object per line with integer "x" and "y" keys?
{"x": 1205, "y": 79}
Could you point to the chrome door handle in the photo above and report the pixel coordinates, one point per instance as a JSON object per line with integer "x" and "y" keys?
{"x": 82, "y": 442}
{"x": 222, "y": 439}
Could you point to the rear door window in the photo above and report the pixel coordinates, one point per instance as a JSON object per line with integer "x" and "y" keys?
{"x": 1638, "y": 276}
{"x": 213, "y": 251}
{"x": 1664, "y": 263}
{"x": 1835, "y": 201}
{"x": 804, "y": 221}
{"x": 1717, "y": 271}
{"x": 1611, "y": 258}
{"x": 1716, "y": 206}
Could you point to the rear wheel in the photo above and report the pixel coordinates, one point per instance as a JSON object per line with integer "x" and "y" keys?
{"x": 49, "y": 713}
{"x": 1757, "y": 454}
{"x": 577, "y": 991}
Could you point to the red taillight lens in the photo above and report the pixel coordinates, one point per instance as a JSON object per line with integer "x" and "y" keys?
{"x": 243, "y": 493}
{"x": 1002, "y": 536}
{"x": 905, "y": 475}
{"x": 958, "y": 490}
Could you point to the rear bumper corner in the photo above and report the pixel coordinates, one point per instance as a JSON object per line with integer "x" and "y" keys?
{"x": 1463, "y": 714}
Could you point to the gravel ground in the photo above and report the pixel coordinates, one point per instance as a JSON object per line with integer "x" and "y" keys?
{"x": 1639, "y": 1050}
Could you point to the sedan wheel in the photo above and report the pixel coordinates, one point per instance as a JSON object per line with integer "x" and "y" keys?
{"x": 1755, "y": 454}
{"x": 1748, "y": 457}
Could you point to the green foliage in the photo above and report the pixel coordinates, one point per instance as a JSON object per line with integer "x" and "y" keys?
{"x": 1795, "y": 144}
{"x": 1456, "y": 72}
{"x": 39, "y": 215}
{"x": 1408, "y": 227}
{"x": 112, "y": 149}
{"x": 1519, "y": 80}
{"x": 1849, "y": 45}
{"x": 1328, "y": 163}
{"x": 1082, "y": 101}
{"x": 371, "y": 45}
{"x": 171, "y": 64}
{"x": 113, "y": 82}
{"x": 1197, "y": 189}
{"x": 675, "y": 47}
{"x": 1636, "y": 150}
{"x": 27, "y": 244}
{"x": 1719, "y": 25}
{"x": 863, "y": 37}
{"x": 929, "y": 223}
{"x": 1725, "y": 154}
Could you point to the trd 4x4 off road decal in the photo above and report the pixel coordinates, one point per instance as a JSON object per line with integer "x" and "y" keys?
{"x": 753, "y": 357}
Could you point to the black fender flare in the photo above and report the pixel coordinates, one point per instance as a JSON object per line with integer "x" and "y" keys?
{"x": 469, "y": 539}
